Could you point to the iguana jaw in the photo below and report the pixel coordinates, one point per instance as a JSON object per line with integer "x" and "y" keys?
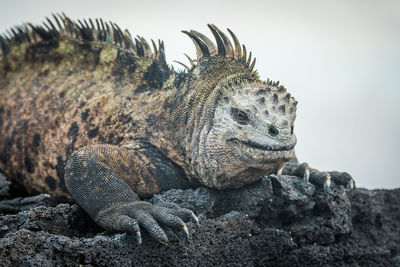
{"x": 232, "y": 163}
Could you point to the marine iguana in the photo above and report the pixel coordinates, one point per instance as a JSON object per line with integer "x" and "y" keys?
{"x": 90, "y": 113}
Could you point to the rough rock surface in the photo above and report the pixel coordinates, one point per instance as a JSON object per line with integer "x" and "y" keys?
{"x": 278, "y": 221}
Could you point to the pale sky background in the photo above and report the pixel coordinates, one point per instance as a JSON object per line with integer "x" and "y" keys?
{"x": 340, "y": 59}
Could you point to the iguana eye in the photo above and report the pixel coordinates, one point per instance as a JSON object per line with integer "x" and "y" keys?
{"x": 273, "y": 131}
{"x": 239, "y": 116}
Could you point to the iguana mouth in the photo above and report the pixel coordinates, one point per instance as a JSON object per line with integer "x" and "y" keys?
{"x": 256, "y": 146}
{"x": 263, "y": 153}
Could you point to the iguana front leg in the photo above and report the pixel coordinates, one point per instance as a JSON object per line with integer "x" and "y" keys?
{"x": 103, "y": 180}
{"x": 317, "y": 177}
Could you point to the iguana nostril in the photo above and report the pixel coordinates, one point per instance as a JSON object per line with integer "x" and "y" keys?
{"x": 273, "y": 131}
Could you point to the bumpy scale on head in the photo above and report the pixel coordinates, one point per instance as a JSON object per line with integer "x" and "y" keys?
{"x": 252, "y": 133}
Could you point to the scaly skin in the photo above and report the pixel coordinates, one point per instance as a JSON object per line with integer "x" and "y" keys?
{"x": 89, "y": 114}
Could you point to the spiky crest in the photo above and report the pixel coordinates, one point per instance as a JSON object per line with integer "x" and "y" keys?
{"x": 84, "y": 30}
{"x": 224, "y": 48}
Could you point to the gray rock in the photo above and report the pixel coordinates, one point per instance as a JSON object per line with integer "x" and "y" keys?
{"x": 25, "y": 203}
{"x": 278, "y": 221}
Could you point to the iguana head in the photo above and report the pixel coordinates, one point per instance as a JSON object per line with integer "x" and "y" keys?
{"x": 241, "y": 128}
{"x": 253, "y": 133}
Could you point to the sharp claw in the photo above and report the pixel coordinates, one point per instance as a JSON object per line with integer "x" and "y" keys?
{"x": 351, "y": 184}
{"x": 186, "y": 230}
{"x": 163, "y": 240}
{"x": 194, "y": 217}
{"x": 139, "y": 237}
{"x": 306, "y": 176}
{"x": 327, "y": 183}
{"x": 279, "y": 172}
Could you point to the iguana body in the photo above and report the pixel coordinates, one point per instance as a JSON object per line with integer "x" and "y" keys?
{"x": 71, "y": 99}
{"x": 87, "y": 111}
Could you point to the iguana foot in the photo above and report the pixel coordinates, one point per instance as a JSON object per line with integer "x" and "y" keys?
{"x": 185, "y": 214}
{"x": 129, "y": 217}
{"x": 323, "y": 179}
{"x": 93, "y": 177}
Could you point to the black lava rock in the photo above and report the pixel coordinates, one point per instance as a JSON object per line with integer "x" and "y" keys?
{"x": 277, "y": 221}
